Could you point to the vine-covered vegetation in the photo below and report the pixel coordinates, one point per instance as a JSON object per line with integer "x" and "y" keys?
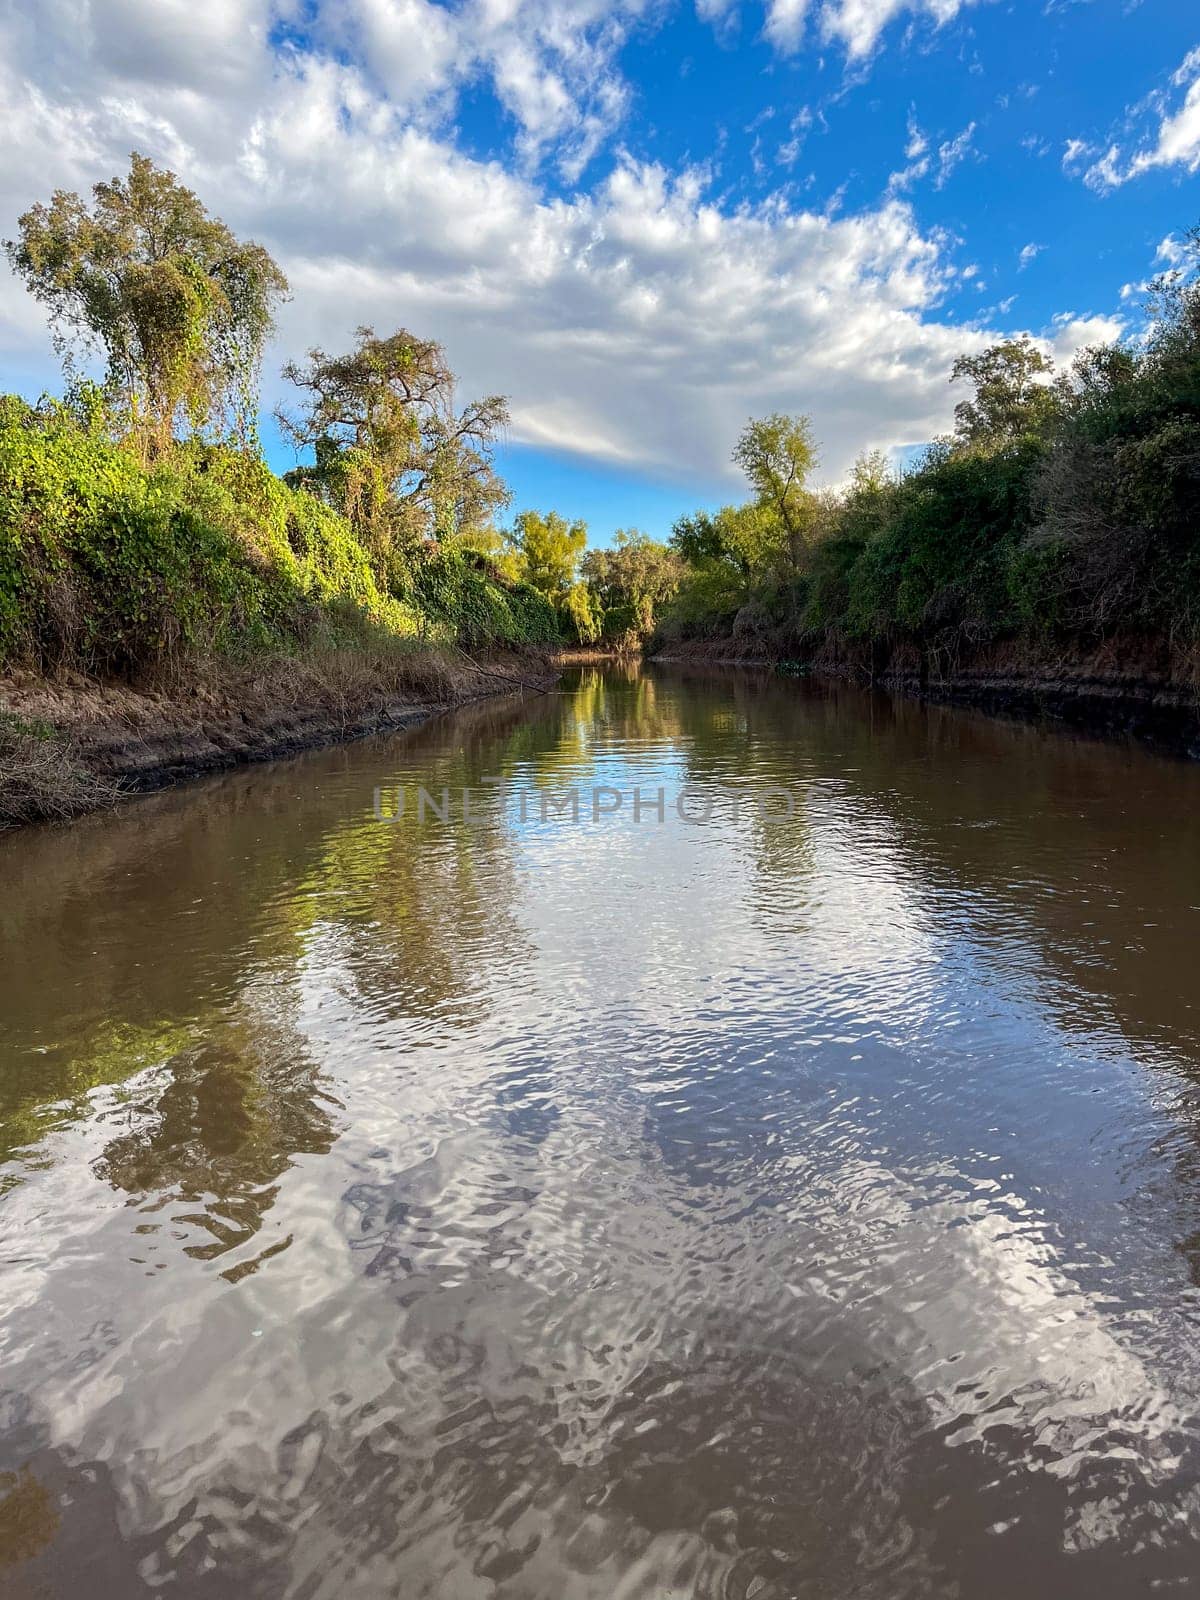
{"x": 140, "y": 525}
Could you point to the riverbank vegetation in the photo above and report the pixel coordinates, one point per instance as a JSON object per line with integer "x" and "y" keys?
{"x": 145, "y": 539}
{"x": 1062, "y": 513}
{"x": 141, "y": 528}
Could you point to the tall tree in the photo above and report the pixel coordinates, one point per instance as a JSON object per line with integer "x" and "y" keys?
{"x": 551, "y": 548}
{"x": 634, "y": 577}
{"x": 777, "y": 453}
{"x": 179, "y": 305}
{"x": 748, "y": 540}
{"x": 390, "y": 448}
{"x": 1014, "y": 395}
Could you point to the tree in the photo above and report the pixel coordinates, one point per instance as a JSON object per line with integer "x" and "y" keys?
{"x": 699, "y": 539}
{"x": 550, "y": 548}
{"x": 179, "y": 305}
{"x": 748, "y": 540}
{"x": 390, "y": 449}
{"x": 777, "y": 453}
{"x": 583, "y": 612}
{"x": 1013, "y": 398}
{"x": 864, "y": 507}
{"x": 633, "y": 579}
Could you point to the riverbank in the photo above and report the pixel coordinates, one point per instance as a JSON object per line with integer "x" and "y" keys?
{"x": 596, "y": 655}
{"x": 1125, "y": 689}
{"x": 72, "y": 744}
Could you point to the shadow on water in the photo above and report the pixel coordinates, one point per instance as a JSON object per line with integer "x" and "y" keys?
{"x": 802, "y": 1205}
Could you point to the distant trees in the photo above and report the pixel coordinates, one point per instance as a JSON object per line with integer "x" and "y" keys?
{"x": 732, "y": 558}
{"x": 1064, "y": 509}
{"x": 549, "y": 548}
{"x": 777, "y": 453}
{"x": 1064, "y": 505}
{"x": 180, "y": 307}
{"x": 390, "y": 449}
{"x": 630, "y": 582}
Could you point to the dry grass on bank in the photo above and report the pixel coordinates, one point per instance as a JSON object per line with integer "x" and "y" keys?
{"x": 70, "y": 744}
{"x": 43, "y": 776}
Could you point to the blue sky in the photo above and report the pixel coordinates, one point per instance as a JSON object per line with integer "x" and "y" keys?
{"x": 644, "y": 221}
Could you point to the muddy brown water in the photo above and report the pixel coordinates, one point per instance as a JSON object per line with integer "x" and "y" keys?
{"x": 769, "y": 1205}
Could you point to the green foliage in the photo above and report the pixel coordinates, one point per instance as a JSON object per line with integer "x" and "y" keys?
{"x": 179, "y": 305}
{"x": 462, "y": 593}
{"x": 547, "y": 549}
{"x": 1118, "y": 536}
{"x": 777, "y": 453}
{"x": 390, "y": 450}
{"x": 1066, "y": 507}
{"x": 748, "y": 561}
{"x": 550, "y": 548}
{"x": 106, "y": 564}
{"x": 129, "y": 539}
{"x": 1013, "y": 396}
{"x": 584, "y": 613}
{"x": 628, "y": 584}
{"x": 940, "y": 564}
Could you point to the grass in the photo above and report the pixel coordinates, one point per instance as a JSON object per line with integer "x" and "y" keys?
{"x": 43, "y": 776}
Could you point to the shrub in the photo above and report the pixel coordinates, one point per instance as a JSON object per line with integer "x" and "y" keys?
{"x": 107, "y": 565}
{"x": 469, "y": 601}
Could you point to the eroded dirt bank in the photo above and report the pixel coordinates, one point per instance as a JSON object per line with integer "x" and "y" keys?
{"x": 1126, "y": 689}
{"x": 71, "y": 744}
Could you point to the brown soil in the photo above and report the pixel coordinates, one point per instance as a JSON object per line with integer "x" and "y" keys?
{"x": 1126, "y": 688}
{"x": 69, "y": 744}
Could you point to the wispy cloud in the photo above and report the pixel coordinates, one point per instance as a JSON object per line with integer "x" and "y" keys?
{"x": 789, "y": 151}
{"x": 923, "y": 160}
{"x": 856, "y": 25}
{"x": 1174, "y": 140}
{"x": 951, "y": 153}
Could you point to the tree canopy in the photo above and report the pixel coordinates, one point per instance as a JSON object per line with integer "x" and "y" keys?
{"x": 631, "y": 581}
{"x": 777, "y": 453}
{"x": 390, "y": 448}
{"x": 179, "y": 305}
{"x": 1013, "y": 395}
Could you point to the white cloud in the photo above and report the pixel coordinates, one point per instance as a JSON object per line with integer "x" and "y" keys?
{"x": 1174, "y": 143}
{"x": 785, "y": 23}
{"x": 906, "y": 177}
{"x": 1106, "y": 172}
{"x": 1029, "y": 253}
{"x": 921, "y": 161}
{"x": 859, "y": 23}
{"x": 1072, "y": 333}
{"x": 1178, "y": 142}
{"x": 1171, "y": 251}
{"x": 855, "y": 24}
{"x": 952, "y": 152}
{"x": 789, "y": 151}
{"x": 638, "y": 321}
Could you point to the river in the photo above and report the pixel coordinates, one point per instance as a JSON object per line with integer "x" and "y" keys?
{"x": 792, "y": 1191}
